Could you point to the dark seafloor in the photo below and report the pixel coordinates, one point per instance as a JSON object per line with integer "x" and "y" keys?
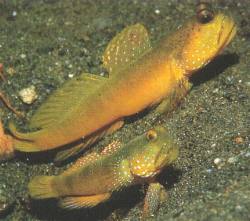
{"x": 43, "y": 43}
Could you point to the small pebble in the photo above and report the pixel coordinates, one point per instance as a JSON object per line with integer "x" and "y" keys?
{"x": 14, "y": 13}
{"x": 238, "y": 140}
{"x": 218, "y": 163}
{"x": 247, "y": 154}
{"x": 157, "y": 11}
{"x": 11, "y": 71}
{"x": 216, "y": 90}
{"x": 209, "y": 170}
{"x": 23, "y": 56}
{"x": 232, "y": 160}
{"x": 238, "y": 207}
{"x": 28, "y": 95}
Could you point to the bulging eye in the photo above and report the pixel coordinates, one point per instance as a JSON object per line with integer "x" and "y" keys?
{"x": 204, "y": 12}
{"x": 151, "y": 135}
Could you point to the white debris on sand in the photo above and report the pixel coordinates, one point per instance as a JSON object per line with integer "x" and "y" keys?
{"x": 28, "y": 95}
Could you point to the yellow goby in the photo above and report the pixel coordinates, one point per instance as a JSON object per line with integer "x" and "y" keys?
{"x": 140, "y": 76}
{"x": 94, "y": 177}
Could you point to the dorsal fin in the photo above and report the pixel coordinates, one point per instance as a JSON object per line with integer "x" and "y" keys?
{"x": 125, "y": 48}
{"x": 83, "y": 161}
{"x": 90, "y": 158}
{"x": 60, "y": 103}
{"x": 111, "y": 148}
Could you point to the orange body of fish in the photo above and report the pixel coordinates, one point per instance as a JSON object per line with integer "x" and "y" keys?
{"x": 140, "y": 76}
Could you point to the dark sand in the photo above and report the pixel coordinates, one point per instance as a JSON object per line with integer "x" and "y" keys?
{"x": 45, "y": 42}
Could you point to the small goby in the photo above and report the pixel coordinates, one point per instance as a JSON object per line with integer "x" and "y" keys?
{"x": 88, "y": 107}
{"x": 95, "y": 177}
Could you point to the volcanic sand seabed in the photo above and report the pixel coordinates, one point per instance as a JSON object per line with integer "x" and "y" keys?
{"x": 43, "y": 43}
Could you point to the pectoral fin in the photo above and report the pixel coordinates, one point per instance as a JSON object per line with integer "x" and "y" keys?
{"x": 172, "y": 100}
{"x": 125, "y": 48}
{"x": 156, "y": 194}
{"x": 76, "y": 202}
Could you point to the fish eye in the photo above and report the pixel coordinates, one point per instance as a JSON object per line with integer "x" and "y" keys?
{"x": 204, "y": 13}
{"x": 151, "y": 135}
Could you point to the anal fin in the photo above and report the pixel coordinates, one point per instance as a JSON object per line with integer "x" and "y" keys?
{"x": 65, "y": 154}
{"x": 75, "y": 202}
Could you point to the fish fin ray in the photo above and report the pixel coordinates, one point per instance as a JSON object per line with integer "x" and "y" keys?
{"x": 25, "y": 146}
{"x": 111, "y": 148}
{"x": 23, "y": 142}
{"x": 62, "y": 155}
{"x": 75, "y": 202}
{"x": 65, "y": 154}
{"x": 82, "y": 162}
{"x": 94, "y": 156}
{"x": 126, "y": 47}
{"x": 169, "y": 103}
{"x": 156, "y": 195}
{"x": 40, "y": 187}
{"x": 62, "y": 101}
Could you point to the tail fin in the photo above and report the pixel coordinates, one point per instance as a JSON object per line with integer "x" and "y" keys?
{"x": 23, "y": 141}
{"x": 17, "y": 134}
{"x": 41, "y": 187}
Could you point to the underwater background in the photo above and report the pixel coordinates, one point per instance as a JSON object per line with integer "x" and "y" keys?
{"x": 44, "y": 43}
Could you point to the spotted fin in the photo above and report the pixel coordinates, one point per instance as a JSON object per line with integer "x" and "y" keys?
{"x": 76, "y": 202}
{"x": 83, "y": 161}
{"x": 61, "y": 103}
{"x": 125, "y": 48}
{"x": 156, "y": 195}
{"x": 90, "y": 158}
{"x": 65, "y": 154}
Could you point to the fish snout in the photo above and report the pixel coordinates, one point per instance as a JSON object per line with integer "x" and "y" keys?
{"x": 166, "y": 156}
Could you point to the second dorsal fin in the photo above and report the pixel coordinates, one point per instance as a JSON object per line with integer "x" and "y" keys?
{"x": 92, "y": 157}
{"x": 60, "y": 103}
{"x": 125, "y": 48}
{"x": 83, "y": 161}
